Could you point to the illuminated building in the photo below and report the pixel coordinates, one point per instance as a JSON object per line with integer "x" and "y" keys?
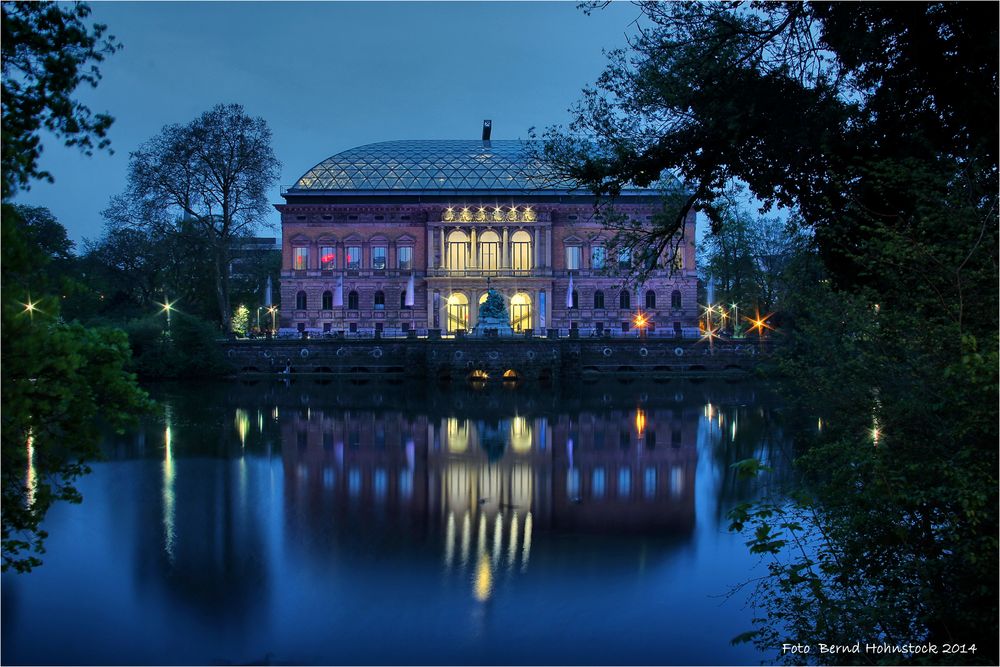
{"x": 455, "y": 217}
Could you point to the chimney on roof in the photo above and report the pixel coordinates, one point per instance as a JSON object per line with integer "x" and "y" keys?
{"x": 487, "y": 128}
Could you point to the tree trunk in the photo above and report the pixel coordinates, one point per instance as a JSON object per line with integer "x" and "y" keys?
{"x": 222, "y": 287}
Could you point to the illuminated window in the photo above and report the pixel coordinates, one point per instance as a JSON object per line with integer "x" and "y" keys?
{"x": 301, "y": 261}
{"x": 573, "y": 255}
{"x": 458, "y": 250}
{"x": 378, "y": 257}
{"x": 597, "y": 255}
{"x": 404, "y": 258}
{"x": 520, "y": 312}
{"x": 354, "y": 257}
{"x": 352, "y": 300}
{"x": 489, "y": 251}
{"x": 458, "y": 312}
{"x": 624, "y": 300}
{"x": 328, "y": 300}
{"x": 624, "y": 258}
{"x": 598, "y": 300}
{"x": 300, "y": 301}
{"x": 327, "y": 258}
{"x": 520, "y": 251}
{"x": 380, "y": 300}
{"x": 650, "y": 299}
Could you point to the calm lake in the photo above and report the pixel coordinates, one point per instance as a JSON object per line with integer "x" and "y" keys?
{"x": 327, "y": 522}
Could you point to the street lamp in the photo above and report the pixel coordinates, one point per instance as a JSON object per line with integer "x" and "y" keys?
{"x": 640, "y": 322}
{"x": 273, "y": 311}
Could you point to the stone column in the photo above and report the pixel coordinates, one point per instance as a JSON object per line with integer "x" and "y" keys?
{"x": 429, "y": 252}
{"x": 473, "y": 255}
{"x": 536, "y": 251}
{"x": 390, "y": 259}
{"x": 444, "y": 253}
{"x": 548, "y": 246}
{"x": 504, "y": 251}
{"x": 430, "y": 306}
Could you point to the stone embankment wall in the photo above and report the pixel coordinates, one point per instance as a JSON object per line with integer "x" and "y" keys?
{"x": 494, "y": 359}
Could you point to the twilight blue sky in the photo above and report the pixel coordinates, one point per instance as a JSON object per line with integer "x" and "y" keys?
{"x": 327, "y": 77}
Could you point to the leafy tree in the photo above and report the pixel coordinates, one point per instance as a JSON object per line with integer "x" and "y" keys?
{"x": 747, "y": 256}
{"x": 48, "y": 51}
{"x": 212, "y": 173}
{"x": 59, "y": 381}
{"x": 875, "y": 124}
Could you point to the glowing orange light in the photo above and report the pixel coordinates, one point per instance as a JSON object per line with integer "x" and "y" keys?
{"x": 759, "y": 323}
{"x": 640, "y": 421}
{"x": 640, "y": 320}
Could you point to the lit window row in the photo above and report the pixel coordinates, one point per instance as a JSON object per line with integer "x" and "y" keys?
{"x": 352, "y": 258}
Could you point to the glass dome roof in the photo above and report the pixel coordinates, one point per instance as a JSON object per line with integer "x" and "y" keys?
{"x": 432, "y": 166}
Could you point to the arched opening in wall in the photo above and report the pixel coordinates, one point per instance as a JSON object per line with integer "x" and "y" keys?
{"x": 510, "y": 375}
{"x": 520, "y": 312}
{"x": 352, "y": 300}
{"x": 675, "y": 299}
{"x": 328, "y": 300}
{"x": 489, "y": 251}
{"x": 457, "y": 313}
{"x": 478, "y": 375}
{"x": 520, "y": 251}
{"x": 650, "y": 299}
{"x": 599, "y": 300}
{"x": 300, "y": 300}
{"x": 624, "y": 300}
{"x": 458, "y": 250}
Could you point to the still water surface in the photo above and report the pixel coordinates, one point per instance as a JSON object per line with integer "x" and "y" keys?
{"x": 329, "y": 523}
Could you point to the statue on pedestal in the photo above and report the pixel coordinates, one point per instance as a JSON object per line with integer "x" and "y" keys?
{"x": 493, "y": 317}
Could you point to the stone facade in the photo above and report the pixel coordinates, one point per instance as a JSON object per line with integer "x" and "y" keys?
{"x": 348, "y": 256}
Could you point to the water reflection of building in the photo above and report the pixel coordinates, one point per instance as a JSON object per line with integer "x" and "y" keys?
{"x": 486, "y": 485}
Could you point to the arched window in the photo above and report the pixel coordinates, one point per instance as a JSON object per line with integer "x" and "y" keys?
{"x": 675, "y": 299}
{"x": 402, "y": 299}
{"x": 650, "y": 299}
{"x": 520, "y": 251}
{"x": 458, "y": 250}
{"x": 624, "y": 301}
{"x": 489, "y": 251}
{"x": 300, "y": 301}
{"x": 380, "y": 300}
{"x": 352, "y": 300}
{"x": 576, "y": 299}
{"x": 328, "y": 300}
{"x": 599, "y": 300}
